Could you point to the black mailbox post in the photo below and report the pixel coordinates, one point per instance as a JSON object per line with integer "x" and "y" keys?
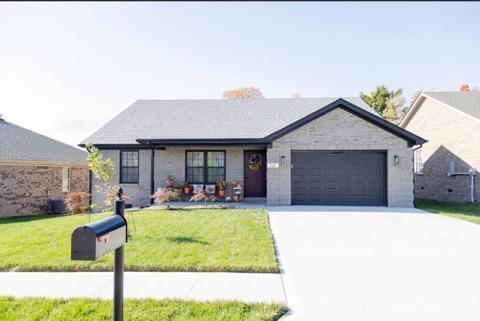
{"x": 92, "y": 241}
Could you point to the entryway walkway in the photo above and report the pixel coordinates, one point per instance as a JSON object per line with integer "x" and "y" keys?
{"x": 199, "y": 286}
{"x": 377, "y": 264}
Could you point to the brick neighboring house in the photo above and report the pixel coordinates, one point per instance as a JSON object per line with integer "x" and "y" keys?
{"x": 450, "y": 121}
{"x": 322, "y": 151}
{"x": 35, "y": 168}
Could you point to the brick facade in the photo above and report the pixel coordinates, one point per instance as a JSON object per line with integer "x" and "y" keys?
{"x": 26, "y": 189}
{"x": 138, "y": 194}
{"x": 170, "y": 161}
{"x": 337, "y": 130}
{"x": 451, "y": 136}
{"x": 341, "y": 130}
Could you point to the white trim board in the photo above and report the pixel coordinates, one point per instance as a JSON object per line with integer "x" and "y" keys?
{"x": 411, "y": 113}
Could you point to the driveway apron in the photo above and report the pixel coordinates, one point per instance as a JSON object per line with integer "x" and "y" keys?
{"x": 361, "y": 263}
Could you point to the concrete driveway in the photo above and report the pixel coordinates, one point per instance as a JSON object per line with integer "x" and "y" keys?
{"x": 345, "y": 263}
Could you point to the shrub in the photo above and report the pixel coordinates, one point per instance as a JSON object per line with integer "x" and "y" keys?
{"x": 77, "y": 202}
{"x": 164, "y": 195}
{"x": 202, "y": 196}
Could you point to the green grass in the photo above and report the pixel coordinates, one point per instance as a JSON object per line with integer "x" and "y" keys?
{"x": 166, "y": 240}
{"x": 36, "y": 309}
{"x": 464, "y": 211}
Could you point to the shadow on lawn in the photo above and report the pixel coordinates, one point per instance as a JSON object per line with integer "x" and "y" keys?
{"x": 183, "y": 239}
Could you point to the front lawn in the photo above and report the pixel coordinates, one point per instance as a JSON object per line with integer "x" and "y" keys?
{"x": 36, "y": 309}
{"x": 464, "y": 211}
{"x": 166, "y": 240}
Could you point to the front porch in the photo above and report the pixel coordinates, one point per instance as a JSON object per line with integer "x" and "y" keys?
{"x": 196, "y": 167}
{"x": 243, "y": 168}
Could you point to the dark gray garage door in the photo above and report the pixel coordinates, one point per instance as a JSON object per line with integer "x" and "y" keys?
{"x": 343, "y": 178}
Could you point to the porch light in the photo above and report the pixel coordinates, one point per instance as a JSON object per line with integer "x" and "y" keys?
{"x": 282, "y": 160}
{"x": 396, "y": 160}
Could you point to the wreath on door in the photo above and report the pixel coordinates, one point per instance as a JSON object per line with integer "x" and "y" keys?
{"x": 255, "y": 161}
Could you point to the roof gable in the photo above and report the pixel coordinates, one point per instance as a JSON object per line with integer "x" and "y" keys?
{"x": 349, "y": 107}
{"x": 466, "y": 103}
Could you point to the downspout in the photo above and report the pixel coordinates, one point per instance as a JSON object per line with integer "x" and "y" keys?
{"x": 413, "y": 169}
{"x": 472, "y": 172}
{"x": 419, "y": 146}
{"x": 152, "y": 174}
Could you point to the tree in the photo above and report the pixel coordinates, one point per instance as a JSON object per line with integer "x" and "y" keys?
{"x": 466, "y": 88}
{"x": 389, "y": 104}
{"x": 415, "y": 96}
{"x": 394, "y": 109}
{"x": 243, "y": 93}
{"x": 104, "y": 170}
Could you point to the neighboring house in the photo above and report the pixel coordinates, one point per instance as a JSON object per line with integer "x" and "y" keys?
{"x": 450, "y": 121}
{"x": 35, "y": 169}
{"x": 283, "y": 151}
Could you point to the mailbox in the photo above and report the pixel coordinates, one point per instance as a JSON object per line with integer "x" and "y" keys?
{"x": 90, "y": 242}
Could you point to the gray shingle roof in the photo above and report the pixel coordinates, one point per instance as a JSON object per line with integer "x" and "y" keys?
{"x": 208, "y": 119}
{"x": 467, "y": 102}
{"x": 18, "y": 143}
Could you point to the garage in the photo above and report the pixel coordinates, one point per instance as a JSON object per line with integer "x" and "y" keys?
{"x": 339, "y": 178}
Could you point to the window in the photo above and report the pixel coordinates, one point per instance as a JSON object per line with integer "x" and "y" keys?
{"x": 129, "y": 167}
{"x": 65, "y": 179}
{"x": 418, "y": 162}
{"x": 205, "y": 167}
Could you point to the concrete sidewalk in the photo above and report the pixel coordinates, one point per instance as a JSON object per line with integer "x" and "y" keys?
{"x": 199, "y": 286}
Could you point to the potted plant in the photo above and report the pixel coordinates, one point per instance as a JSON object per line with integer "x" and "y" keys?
{"x": 186, "y": 187}
{"x": 169, "y": 181}
{"x": 178, "y": 189}
{"x": 221, "y": 184}
{"x": 237, "y": 191}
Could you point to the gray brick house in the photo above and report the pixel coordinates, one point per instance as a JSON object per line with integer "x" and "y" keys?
{"x": 283, "y": 151}
{"x": 445, "y": 167}
{"x": 34, "y": 169}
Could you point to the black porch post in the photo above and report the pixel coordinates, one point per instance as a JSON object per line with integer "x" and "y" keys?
{"x": 152, "y": 174}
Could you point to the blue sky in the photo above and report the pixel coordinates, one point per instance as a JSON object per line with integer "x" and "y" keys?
{"x": 65, "y": 69}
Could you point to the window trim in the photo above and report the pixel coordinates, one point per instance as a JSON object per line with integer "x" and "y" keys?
{"x": 120, "y": 178}
{"x": 67, "y": 179}
{"x": 205, "y": 164}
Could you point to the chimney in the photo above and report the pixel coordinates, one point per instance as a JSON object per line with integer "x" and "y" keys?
{"x": 1, "y": 117}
